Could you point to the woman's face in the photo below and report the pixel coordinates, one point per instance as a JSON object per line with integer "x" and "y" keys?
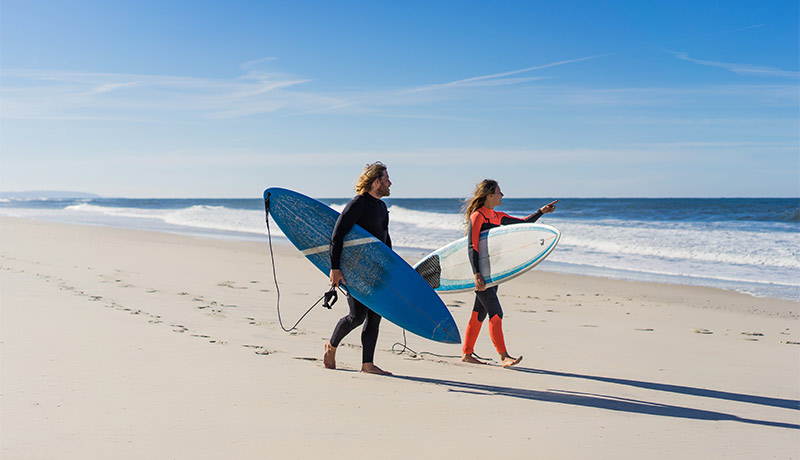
{"x": 494, "y": 199}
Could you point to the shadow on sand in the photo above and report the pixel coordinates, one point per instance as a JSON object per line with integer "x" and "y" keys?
{"x": 615, "y": 403}
{"x": 703, "y": 392}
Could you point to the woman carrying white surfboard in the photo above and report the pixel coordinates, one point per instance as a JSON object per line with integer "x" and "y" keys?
{"x": 480, "y": 216}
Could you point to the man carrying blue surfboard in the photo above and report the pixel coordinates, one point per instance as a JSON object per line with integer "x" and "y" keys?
{"x": 368, "y": 211}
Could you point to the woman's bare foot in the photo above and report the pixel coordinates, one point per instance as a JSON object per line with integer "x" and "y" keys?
{"x": 471, "y": 359}
{"x": 370, "y": 368}
{"x": 508, "y": 361}
{"x": 329, "y": 358}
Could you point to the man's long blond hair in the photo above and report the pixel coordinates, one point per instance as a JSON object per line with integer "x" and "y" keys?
{"x": 370, "y": 174}
{"x": 484, "y": 188}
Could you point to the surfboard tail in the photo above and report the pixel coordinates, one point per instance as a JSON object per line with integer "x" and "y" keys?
{"x": 446, "y": 332}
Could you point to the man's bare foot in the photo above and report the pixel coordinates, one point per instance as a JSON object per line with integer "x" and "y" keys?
{"x": 329, "y": 358}
{"x": 370, "y": 368}
{"x": 471, "y": 359}
{"x": 508, "y": 361}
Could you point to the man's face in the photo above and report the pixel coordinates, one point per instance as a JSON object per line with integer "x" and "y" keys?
{"x": 381, "y": 185}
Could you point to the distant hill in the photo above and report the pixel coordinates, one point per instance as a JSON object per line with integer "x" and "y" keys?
{"x": 49, "y": 194}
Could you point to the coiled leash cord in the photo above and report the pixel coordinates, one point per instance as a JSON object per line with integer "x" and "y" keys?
{"x": 414, "y": 354}
{"x": 330, "y": 297}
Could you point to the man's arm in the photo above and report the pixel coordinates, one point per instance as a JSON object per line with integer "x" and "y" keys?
{"x": 344, "y": 224}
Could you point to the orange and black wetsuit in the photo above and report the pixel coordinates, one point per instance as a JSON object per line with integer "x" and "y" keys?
{"x": 486, "y": 302}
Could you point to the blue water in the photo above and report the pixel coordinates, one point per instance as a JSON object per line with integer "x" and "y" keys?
{"x": 750, "y": 245}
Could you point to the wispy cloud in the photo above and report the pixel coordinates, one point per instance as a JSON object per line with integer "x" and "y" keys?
{"x": 754, "y": 26}
{"x": 256, "y": 62}
{"x": 426, "y": 94}
{"x": 498, "y": 79}
{"x": 53, "y": 94}
{"x": 741, "y": 69}
{"x": 108, "y": 87}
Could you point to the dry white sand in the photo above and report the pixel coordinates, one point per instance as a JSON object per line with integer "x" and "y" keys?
{"x": 138, "y": 345}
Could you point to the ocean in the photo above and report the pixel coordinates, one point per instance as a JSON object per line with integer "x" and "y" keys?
{"x": 750, "y": 245}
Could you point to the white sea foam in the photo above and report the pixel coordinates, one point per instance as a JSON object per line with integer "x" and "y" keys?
{"x": 426, "y": 220}
{"x": 700, "y": 243}
{"x": 730, "y": 252}
{"x": 219, "y": 218}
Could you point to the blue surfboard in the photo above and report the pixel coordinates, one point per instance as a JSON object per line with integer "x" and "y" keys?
{"x": 375, "y": 275}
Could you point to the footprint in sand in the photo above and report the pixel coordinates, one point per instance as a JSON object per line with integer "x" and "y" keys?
{"x": 255, "y": 322}
{"x": 229, "y": 284}
{"x": 751, "y": 336}
{"x": 259, "y": 350}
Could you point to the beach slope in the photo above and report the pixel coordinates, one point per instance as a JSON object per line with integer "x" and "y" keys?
{"x": 129, "y": 344}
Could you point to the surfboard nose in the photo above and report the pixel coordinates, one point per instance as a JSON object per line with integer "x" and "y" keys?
{"x": 447, "y": 332}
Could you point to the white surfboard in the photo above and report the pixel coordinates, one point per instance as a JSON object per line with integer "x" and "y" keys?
{"x": 506, "y": 252}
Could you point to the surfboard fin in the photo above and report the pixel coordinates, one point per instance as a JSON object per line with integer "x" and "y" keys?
{"x": 431, "y": 270}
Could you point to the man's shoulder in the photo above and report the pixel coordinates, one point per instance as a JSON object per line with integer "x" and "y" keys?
{"x": 357, "y": 200}
{"x": 367, "y": 200}
{"x": 357, "y": 203}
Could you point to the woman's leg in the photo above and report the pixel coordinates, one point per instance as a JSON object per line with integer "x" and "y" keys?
{"x": 491, "y": 303}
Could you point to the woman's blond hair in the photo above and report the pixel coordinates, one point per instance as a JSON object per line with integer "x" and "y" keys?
{"x": 484, "y": 188}
{"x": 370, "y": 174}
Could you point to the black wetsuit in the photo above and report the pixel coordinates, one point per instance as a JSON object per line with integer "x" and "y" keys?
{"x": 371, "y": 214}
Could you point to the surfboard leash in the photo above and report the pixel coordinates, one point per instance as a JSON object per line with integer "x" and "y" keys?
{"x": 404, "y": 347}
{"x": 328, "y": 297}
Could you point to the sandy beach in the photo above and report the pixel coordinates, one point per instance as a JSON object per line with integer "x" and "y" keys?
{"x": 129, "y": 344}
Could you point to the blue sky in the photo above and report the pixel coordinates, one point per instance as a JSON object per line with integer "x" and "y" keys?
{"x": 565, "y": 99}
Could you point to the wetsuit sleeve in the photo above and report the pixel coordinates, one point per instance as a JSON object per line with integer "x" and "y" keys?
{"x": 347, "y": 219}
{"x": 535, "y": 216}
{"x": 505, "y": 219}
{"x": 476, "y": 220}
